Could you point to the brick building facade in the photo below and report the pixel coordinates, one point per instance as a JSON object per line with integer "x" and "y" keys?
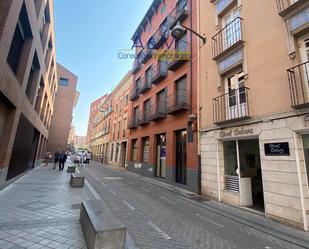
{"x": 27, "y": 83}
{"x": 65, "y": 100}
{"x": 163, "y": 131}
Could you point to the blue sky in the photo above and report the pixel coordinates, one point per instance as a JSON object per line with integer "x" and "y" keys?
{"x": 88, "y": 39}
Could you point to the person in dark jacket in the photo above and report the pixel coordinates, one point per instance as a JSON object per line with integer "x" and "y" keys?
{"x": 62, "y": 160}
{"x": 56, "y": 158}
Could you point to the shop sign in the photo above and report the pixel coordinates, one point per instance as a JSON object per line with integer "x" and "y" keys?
{"x": 277, "y": 149}
{"x": 235, "y": 132}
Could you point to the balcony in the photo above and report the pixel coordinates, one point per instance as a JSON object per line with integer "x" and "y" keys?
{"x": 232, "y": 106}
{"x": 227, "y": 39}
{"x": 136, "y": 66}
{"x": 134, "y": 94}
{"x": 298, "y": 77}
{"x": 178, "y": 56}
{"x": 159, "y": 37}
{"x": 145, "y": 85}
{"x": 159, "y": 72}
{"x": 287, "y": 6}
{"x": 145, "y": 55}
{"x": 177, "y": 102}
{"x": 132, "y": 124}
{"x": 179, "y": 13}
{"x": 158, "y": 111}
{"x": 143, "y": 119}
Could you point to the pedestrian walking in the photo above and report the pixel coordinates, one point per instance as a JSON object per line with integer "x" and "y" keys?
{"x": 46, "y": 158}
{"x": 62, "y": 160}
{"x": 56, "y": 158}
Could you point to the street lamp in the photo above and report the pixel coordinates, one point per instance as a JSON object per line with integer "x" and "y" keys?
{"x": 179, "y": 31}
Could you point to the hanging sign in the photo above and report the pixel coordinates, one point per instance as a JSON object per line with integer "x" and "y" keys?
{"x": 277, "y": 149}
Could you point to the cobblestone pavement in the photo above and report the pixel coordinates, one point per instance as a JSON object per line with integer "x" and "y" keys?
{"x": 40, "y": 210}
{"x": 157, "y": 218}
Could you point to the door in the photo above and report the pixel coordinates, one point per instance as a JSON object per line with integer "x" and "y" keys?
{"x": 148, "y": 76}
{"x": 161, "y": 156}
{"x": 304, "y": 57}
{"x": 123, "y": 154}
{"x": 161, "y": 102}
{"x": 181, "y": 158}
{"x": 236, "y": 99}
{"x": 306, "y": 153}
{"x": 181, "y": 86}
{"x": 232, "y": 28}
{"x": 147, "y": 109}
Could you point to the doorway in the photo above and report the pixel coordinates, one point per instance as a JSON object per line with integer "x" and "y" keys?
{"x": 304, "y": 57}
{"x": 236, "y": 99}
{"x": 306, "y": 153}
{"x": 160, "y": 156}
{"x": 181, "y": 157}
{"x": 242, "y": 163}
{"x": 123, "y": 154}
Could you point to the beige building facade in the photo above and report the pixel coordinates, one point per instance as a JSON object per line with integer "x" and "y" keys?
{"x": 118, "y": 144}
{"x": 27, "y": 83}
{"x": 253, "y": 97}
{"x": 65, "y": 100}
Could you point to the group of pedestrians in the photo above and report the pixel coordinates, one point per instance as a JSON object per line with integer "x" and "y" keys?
{"x": 60, "y": 158}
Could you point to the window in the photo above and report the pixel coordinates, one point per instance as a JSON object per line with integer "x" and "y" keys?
{"x": 148, "y": 75}
{"x": 31, "y": 85}
{"x": 21, "y": 34}
{"x": 135, "y": 114}
{"x": 124, "y": 127}
{"x": 134, "y": 150}
{"x": 119, "y": 128}
{"x": 163, "y": 9}
{"x": 63, "y": 81}
{"x": 126, "y": 100}
{"x": 146, "y": 149}
{"x": 161, "y": 101}
{"x": 181, "y": 93}
{"x": 117, "y": 150}
{"x": 147, "y": 109}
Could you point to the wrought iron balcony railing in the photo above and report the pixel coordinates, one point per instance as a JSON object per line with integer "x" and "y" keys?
{"x": 177, "y": 102}
{"x": 158, "y": 111}
{"x": 160, "y": 36}
{"x": 134, "y": 94}
{"x": 145, "y": 85}
{"x": 159, "y": 72}
{"x": 298, "y": 77}
{"x": 145, "y": 55}
{"x": 136, "y": 66}
{"x": 144, "y": 118}
{"x": 179, "y": 13}
{"x": 232, "y": 106}
{"x": 286, "y": 6}
{"x": 178, "y": 56}
{"x": 132, "y": 123}
{"x": 227, "y": 38}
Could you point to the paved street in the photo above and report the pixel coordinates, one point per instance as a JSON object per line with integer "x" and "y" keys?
{"x": 41, "y": 210}
{"x": 160, "y": 216}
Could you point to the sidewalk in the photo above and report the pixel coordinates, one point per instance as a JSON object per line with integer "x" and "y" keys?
{"x": 41, "y": 210}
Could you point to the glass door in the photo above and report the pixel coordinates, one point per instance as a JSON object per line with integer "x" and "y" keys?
{"x": 236, "y": 99}
{"x": 232, "y": 26}
{"x": 161, "y": 156}
{"x": 304, "y": 56}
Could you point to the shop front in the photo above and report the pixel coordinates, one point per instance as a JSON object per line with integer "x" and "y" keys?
{"x": 261, "y": 166}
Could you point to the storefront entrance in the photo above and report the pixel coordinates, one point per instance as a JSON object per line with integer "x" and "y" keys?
{"x": 243, "y": 174}
{"x": 306, "y": 152}
{"x": 181, "y": 157}
{"x": 161, "y": 156}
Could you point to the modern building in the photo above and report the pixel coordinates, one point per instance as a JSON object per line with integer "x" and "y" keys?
{"x": 119, "y": 121}
{"x": 65, "y": 100}
{"x": 27, "y": 83}
{"x": 94, "y": 107}
{"x": 253, "y": 99}
{"x": 163, "y": 125}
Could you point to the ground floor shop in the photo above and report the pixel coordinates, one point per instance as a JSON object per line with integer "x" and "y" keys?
{"x": 117, "y": 153}
{"x": 262, "y": 165}
{"x": 167, "y": 156}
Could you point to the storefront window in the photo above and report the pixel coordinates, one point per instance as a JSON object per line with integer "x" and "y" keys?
{"x": 146, "y": 149}
{"x": 230, "y": 158}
